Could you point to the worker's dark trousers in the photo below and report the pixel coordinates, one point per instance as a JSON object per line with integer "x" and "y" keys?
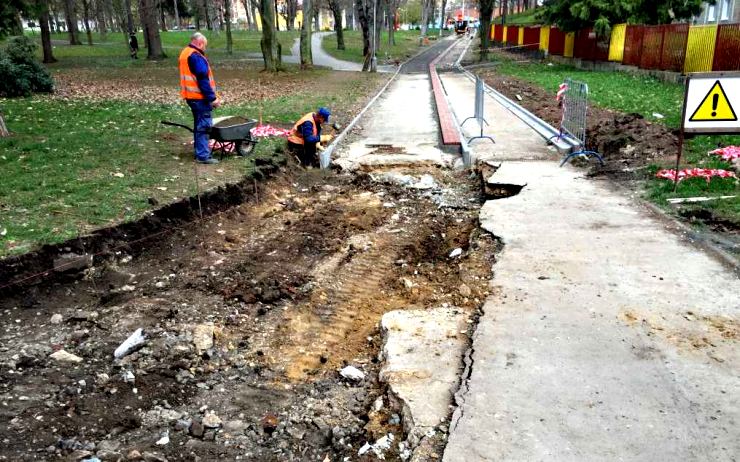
{"x": 306, "y": 153}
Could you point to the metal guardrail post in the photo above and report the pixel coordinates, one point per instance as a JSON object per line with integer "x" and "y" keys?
{"x": 479, "y": 111}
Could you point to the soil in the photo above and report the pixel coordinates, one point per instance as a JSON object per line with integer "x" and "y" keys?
{"x": 627, "y": 142}
{"x": 289, "y": 287}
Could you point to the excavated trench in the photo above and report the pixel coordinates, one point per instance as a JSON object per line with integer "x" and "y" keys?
{"x": 248, "y": 318}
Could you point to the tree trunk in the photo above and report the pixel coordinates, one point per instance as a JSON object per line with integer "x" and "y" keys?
{"x": 392, "y": 9}
{"x": 162, "y": 19}
{"x": 486, "y": 12}
{"x": 349, "y": 17}
{"x": 442, "y": 17}
{"x": 129, "y": 18}
{"x": 316, "y": 25}
{"x": 291, "y": 10}
{"x": 336, "y": 11}
{"x": 207, "y": 16}
{"x": 100, "y": 20}
{"x": 3, "y": 128}
{"x": 86, "y": 20}
{"x": 148, "y": 14}
{"x": 70, "y": 17}
{"x": 227, "y": 20}
{"x": 269, "y": 43}
{"x": 45, "y": 33}
{"x": 424, "y": 17}
{"x": 305, "y": 46}
{"x": 365, "y": 26}
{"x": 177, "y": 15}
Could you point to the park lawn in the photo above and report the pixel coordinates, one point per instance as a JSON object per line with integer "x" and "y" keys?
{"x": 113, "y": 50}
{"x": 646, "y": 95}
{"x": 407, "y": 44}
{"x": 73, "y": 165}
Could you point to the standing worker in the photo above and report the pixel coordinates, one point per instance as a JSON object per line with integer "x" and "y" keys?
{"x": 198, "y": 88}
{"x": 133, "y": 45}
{"x": 305, "y": 137}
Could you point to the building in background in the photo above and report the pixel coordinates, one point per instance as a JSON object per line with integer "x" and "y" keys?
{"x": 723, "y": 11}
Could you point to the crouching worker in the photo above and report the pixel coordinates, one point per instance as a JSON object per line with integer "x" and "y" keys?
{"x": 305, "y": 138}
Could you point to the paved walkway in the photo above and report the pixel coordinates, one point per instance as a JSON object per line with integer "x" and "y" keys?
{"x": 401, "y": 127}
{"x": 606, "y": 338}
{"x": 322, "y": 58}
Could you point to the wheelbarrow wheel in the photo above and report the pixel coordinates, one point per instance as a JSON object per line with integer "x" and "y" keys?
{"x": 244, "y": 148}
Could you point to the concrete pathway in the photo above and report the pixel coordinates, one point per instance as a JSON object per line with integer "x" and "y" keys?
{"x": 607, "y": 337}
{"x": 401, "y": 127}
{"x": 322, "y": 58}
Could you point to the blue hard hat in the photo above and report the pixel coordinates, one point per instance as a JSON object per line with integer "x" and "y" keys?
{"x": 324, "y": 112}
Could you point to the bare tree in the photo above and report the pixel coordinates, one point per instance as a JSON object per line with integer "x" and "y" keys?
{"x": 150, "y": 24}
{"x": 364, "y": 17}
{"x": 227, "y": 19}
{"x": 42, "y": 12}
{"x": 289, "y": 12}
{"x": 486, "y": 13}
{"x": 336, "y": 9}
{"x": 70, "y": 17}
{"x": 442, "y": 17}
{"x": 306, "y": 55}
{"x": 270, "y": 46}
{"x": 86, "y": 20}
{"x": 425, "y": 12}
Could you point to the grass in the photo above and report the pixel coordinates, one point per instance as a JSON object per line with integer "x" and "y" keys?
{"x": 407, "y": 44}
{"x": 113, "y": 50}
{"x": 525, "y": 18}
{"x": 646, "y": 95}
{"x": 73, "y": 165}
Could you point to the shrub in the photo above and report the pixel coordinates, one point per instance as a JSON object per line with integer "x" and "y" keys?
{"x": 22, "y": 74}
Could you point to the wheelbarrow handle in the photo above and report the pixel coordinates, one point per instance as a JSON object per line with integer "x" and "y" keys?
{"x": 164, "y": 122}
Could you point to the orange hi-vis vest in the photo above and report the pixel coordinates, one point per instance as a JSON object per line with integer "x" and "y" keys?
{"x": 188, "y": 81}
{"x": 295, "y": 134}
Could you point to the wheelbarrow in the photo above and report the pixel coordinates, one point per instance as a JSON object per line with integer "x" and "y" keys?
{"x": 230, "y": 134}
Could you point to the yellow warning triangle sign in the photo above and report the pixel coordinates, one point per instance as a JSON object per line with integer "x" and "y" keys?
{"x": 715, "y": 107}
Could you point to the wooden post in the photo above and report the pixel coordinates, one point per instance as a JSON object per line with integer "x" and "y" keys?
{"x": 681, "y": 134}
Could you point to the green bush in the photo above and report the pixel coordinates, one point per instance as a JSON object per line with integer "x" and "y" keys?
{"x": 22, "y": 74}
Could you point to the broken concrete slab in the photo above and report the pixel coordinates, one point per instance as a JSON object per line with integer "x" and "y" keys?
{"x": 422, "y": 355}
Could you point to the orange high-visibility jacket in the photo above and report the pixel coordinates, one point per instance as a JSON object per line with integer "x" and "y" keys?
{"x": 188, "y": 81}
{"x": 295, "y": 134}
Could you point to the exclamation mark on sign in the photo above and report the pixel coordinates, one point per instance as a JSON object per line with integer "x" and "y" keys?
{"x": 715, "y": 100}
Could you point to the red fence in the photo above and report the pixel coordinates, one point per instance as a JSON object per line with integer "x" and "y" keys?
{"x": 633, "y": 45}
{"x": 660, "y": 47}
{"x": 498, "y": 34}
{"x": 727, "y": 48}
{"x": 557, "y": 42}
{"x": 512, "y": 34}
{"x": 590, "y": 47}
{"x": 532, "y": 38}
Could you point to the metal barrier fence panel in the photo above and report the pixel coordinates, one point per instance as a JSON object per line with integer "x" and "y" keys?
{"x": 532, "y": 38}
{"x": 727, "y": 48}
{"x": 673, "y": 53}
{"x": 498, "y": 35}
{"x": 569, "y": 44}
{"x": 616, "y": 43}
{"x": 556, "y": 42}
{"x": 633, "y": 45}
{"x": 544, "y": 38}
{"x": 700, "y": 48}
{"x": 512, "y": 34}
{"x": 652, "y": 47}
{"x": 575, "y": 107}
